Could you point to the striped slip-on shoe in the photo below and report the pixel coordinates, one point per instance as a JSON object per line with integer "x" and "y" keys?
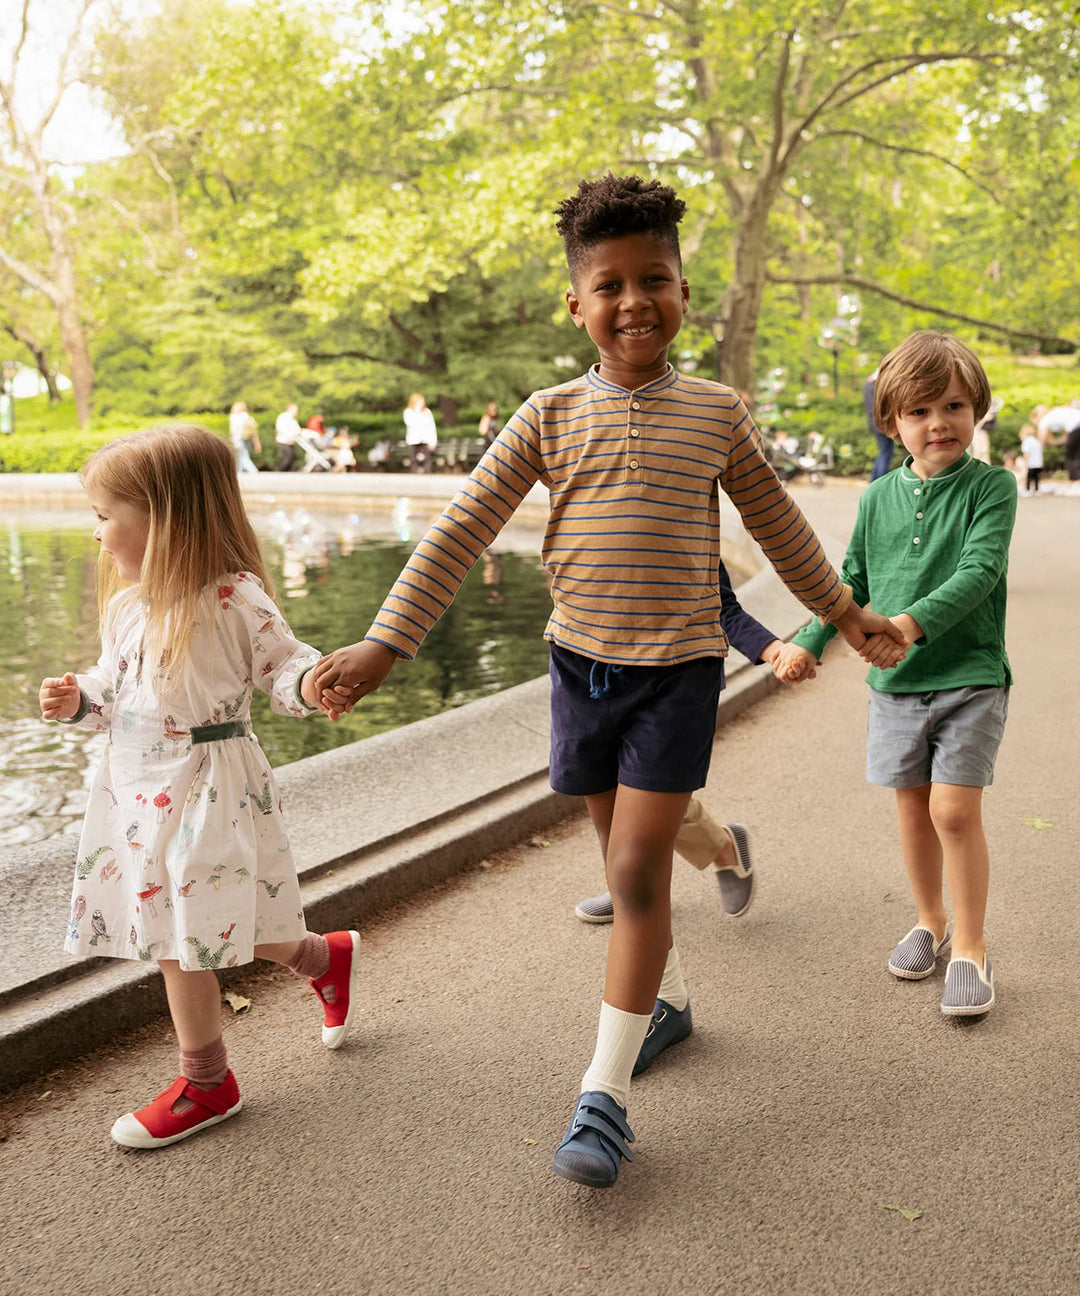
{"x": 597, "y": 909}
{"x": 969, "y": 989}
{"x": 917, "y": 954}
{"x": 737, "y": 883}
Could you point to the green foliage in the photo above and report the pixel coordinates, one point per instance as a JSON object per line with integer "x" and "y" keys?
{"x": 47, "y": 438}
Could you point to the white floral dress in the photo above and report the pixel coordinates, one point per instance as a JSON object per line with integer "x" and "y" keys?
{"x": 184, "y": 853}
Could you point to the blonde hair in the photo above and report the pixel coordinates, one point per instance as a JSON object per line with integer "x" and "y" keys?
{"x": 920, "y": 369}
{"x": 184, "y": 478}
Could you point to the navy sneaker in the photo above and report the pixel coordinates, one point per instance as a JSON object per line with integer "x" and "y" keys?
{"x": 596, "y": 1141}
{"x": 668, "y": 1026}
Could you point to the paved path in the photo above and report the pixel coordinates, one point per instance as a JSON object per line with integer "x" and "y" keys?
{"x": 815, "y": 1092}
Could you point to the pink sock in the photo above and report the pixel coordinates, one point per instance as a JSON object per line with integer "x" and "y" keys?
{"x": 205, "y": 1067}
{"x": 312, "y": 959}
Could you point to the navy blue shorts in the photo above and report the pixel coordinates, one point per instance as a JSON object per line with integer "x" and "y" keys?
{"x": 652, "y": 727}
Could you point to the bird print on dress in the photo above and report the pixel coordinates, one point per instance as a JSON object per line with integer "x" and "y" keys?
{"x": 78, "y": 909}
{"x": 97, "y": 926}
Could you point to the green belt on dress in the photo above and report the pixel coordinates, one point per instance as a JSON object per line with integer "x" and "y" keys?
{"x": 216, "y": 732}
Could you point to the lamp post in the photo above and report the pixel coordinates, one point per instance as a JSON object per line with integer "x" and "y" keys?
{"x": 8, "y": 369}
{"x": 841, "y": 330}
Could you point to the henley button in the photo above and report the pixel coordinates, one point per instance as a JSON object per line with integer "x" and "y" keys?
{"x": 918, "y": 492}
{"x": 633, "y": 463}
{"x": 633, "y": 432}
{"x": 918, "y": 515}
{"x": 635, "y": 405}
{"x": 915, "y": 540}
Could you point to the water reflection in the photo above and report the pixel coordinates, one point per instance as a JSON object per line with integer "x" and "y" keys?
{"x": 332, "y": 570}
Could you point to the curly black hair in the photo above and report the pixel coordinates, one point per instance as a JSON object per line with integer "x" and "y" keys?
{"x": 613, "y": 206}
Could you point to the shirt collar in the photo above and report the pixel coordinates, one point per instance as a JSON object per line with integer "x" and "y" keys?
{"x": 658, "y": 384}
{"x": 946, "y": 474}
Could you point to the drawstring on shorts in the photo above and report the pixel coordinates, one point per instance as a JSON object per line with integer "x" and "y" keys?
{"x": 598, "y": 688}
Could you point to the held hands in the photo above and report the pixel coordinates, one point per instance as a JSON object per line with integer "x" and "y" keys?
{"x": 875, "y": 638}
{"x": 790, "y": 663}
{"x": 59, "y": 698}
{"x": 340, "y": 680}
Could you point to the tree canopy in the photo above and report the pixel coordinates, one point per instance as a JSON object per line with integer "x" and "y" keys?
{"x": 348, "y": 202}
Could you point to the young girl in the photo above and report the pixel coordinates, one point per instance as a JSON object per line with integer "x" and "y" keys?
{"x": 184, "y": 857}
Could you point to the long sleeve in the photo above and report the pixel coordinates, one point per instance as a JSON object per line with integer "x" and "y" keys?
{"x": 777, "y": 523}
{"x": 983, "y": 561}
{"x": 454, "y": 542}
{"x": 815, "y": 636}
{"x": 744, "y": 632}
{"x": 276, "y": 659}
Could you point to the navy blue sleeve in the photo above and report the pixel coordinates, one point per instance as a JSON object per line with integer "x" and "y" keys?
{"x": 743, "y": 631}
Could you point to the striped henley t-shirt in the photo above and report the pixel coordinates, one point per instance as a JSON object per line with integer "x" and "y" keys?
{"x": 633, "y": 535}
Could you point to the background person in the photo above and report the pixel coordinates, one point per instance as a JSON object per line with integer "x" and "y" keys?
{"x": 420, "y": 434}
{"x": 885, "y": 444}
{"x": 286, "y": 435}
{"x": 244, "y": 434}
{"x": 489, "y": 426}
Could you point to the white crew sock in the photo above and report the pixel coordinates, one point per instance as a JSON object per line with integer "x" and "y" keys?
{"x": 619, "y": 1038}
{"x": 672, "y": 986}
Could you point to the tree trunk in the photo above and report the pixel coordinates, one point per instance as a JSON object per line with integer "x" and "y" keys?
{"x": 742, "y": 301}
{"x": 448, "y": 412}
{"x": 77, "y": 350}
{"x": 65, "y": 297}
{"x": 40, "y": 361}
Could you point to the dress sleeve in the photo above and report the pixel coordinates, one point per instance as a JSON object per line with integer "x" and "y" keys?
{"x": 276, "y": 659}
{"x": 98, "y": 686}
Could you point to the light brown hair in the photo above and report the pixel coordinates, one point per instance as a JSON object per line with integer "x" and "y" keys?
{"x": 184, "y": 478}
{"x": 920, "y": 369}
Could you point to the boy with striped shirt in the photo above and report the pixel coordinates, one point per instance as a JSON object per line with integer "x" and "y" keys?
{"x": 631, "y": 453}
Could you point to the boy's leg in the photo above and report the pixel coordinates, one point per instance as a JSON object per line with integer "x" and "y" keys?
{"x": 638, "y": 830}
{"x": 956, "y": 812}
{"x": 921, "y": 849}
{"x": 641, "y": 840}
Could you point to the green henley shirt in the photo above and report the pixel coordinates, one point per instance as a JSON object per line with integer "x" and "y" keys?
{"x": 939, "y": 551}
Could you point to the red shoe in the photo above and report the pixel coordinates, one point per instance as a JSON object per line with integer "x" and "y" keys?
{"x": 157, "y": 1125}
{"x": 342, "y": 975}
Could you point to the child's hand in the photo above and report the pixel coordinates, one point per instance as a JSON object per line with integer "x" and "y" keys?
{"x": 59, "y": 698}
{"x": 793, "y": 664}
{"x": 860, "y": 625}
{"x": 310, "y": 693}
{"x": 348, "y": 674}
{"x": 883, "y": 652}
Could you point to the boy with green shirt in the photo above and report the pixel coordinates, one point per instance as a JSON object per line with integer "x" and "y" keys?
{"x": 930, "y": 551}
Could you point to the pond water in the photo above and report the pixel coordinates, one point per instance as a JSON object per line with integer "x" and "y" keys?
{"x": 332, "y": 570}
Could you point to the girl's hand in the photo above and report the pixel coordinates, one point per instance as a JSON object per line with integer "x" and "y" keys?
{"x": 348, "y": 674}
{"x": 59, "y": 698}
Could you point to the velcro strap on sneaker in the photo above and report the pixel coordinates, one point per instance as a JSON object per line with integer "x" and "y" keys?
{"x": 215, "y": 1100}
{"x": 586, "y": 1119}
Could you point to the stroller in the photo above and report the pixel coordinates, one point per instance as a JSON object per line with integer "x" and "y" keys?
{"x": 814, "y": 456}
{"x": 314, "y": 459}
